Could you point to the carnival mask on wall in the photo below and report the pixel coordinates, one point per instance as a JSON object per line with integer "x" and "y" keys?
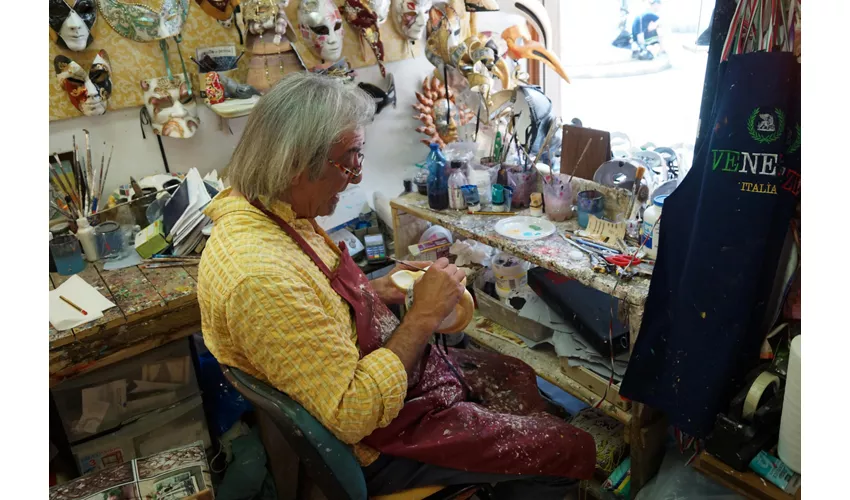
{"x": 171, "y": 106}
{"x": 221, "y": 10}
{"x": 72, "y": 21}
{"x": 360, "y": 15}
{"x": 266, "y": 15}
{"x": 320, "y": 25}
{"x": 381, "y": 8}
{"x": 89, "y": 91}
{"x": 411, "y": 17}
{"x": 145, "y": 20}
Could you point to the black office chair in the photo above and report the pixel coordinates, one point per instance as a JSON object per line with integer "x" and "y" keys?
{"x": 326, "y": 460}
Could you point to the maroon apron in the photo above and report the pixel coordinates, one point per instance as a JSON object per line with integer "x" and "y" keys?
{"x": 506, "y": 431}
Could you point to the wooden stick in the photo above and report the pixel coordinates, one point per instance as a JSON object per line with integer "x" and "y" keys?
{"x": 580, "y": 158}
{"x": 492, "y": 213}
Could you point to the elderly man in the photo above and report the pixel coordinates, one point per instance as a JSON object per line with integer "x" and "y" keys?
{"x": 281, "y": 302}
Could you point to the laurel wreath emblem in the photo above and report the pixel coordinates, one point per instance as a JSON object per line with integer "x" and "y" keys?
{"x": 758, "y": 136}
{"x": 795, "y": 145}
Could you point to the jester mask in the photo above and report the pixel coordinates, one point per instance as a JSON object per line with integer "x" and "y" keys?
{"x": 72, "y": 21}
{"x": 320, "y": 25}
{"x": 89, "y": 91}
{"x": 145, "y": 20}
{"x": 360, "y": 14}
{"x": 171, "y": 107}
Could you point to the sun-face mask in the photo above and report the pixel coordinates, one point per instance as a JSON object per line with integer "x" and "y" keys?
{"x": 145, "y": 20}
{"x": 72, "y": 20}
{"x": 381, "y": 8}
{"x": 220, "y": 10}
{"x": 320, "y": 25}
{"x": 89, "y": 91}
{"x": 360, "y": 15}
{"x": 411, "y": 17}
{"x": 171, "y": 106}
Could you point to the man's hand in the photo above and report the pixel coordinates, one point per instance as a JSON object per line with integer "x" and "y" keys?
{"x": 437, "y": 293}
{"x": 434, "y": 298}
{"x": 387, "y": 292}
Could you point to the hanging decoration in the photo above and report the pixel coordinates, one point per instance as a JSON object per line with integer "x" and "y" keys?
{"x": 522, "y": 46}
{"x": 381, "y": 8}
{"x": 89, "y": 91}
{"x": 439, "y": 113}
{"x": 72, "y": 21}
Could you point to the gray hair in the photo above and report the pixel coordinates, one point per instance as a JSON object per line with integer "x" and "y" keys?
{"x": 292, "y": 129}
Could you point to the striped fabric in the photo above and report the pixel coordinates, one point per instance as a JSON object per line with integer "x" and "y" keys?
{"x": 268, "y": 310}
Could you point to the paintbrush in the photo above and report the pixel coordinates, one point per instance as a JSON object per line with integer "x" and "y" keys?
{"x": 59, "y": 179}
{"x": 137, "y": 189}
{"x": 106, "y": 174}
{"x": 167, "y": 264}
{"x": 408, "y": 264}
{"x": 89, "y": 174}
{"x": 99, "y": 187}
{"x": 638, "y": 177}
{"x": 580, "y": 158}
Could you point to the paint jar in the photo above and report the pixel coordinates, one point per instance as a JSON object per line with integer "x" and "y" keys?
{"x": 523, "y": 182}
{"x": 589, "y": 203}
{"x": 536, "y": 206}
{"x": 558, "y": 197}
{"x": 498, "y": 198}
{"x": 511, "y": 274}
{"x": 67, "y": 255}
{"x": 471, "y": 197}
{"x": 110, "y": 240}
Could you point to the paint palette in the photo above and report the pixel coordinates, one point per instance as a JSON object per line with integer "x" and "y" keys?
{"x": 524, "y": 228}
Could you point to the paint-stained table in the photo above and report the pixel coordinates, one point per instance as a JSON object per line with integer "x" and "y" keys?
{"x": 645, "y": 428}
{"x": 153, "y": 307}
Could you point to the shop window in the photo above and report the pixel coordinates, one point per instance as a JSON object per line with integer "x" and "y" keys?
{"x": 649, "y": 91}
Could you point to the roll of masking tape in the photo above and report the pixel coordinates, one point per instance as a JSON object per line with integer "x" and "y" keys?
{"x": 760, "y": 384}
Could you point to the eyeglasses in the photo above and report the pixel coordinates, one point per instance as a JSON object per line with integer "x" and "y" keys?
{"x": 351, "y": 173}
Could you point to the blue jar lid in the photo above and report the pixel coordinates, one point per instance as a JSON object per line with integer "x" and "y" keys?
{"x": 658, "y": 201}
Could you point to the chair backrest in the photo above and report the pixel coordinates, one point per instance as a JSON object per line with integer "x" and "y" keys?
{"x": 329, "y": 462}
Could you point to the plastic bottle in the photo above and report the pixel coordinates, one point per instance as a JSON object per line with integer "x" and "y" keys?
{"x": 456, "y": 181}
{"x": 438, "y": 183}
{"x": 648, "y": 233}
{"x": 85, "y": 233}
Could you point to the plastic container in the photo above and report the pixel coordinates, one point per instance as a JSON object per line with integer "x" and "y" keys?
{"x": 558, "y": 199}
{"x": 456, "y": 181}
{"x": 438, "y": 182}
{"x": 88, "y": 239}
{"x": 66, "y": 254}
{"x": 651, "y": 230}
{"x": 110, "y": 240}
{"x": 421, "y": 181}
{"x": 511, "y": 274}
{"x": 481, "y": 178}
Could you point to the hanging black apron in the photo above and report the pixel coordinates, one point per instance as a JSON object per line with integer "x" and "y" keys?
{"x": 720, "y": 238}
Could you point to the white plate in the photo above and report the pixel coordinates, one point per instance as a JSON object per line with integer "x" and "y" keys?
{"x": 525, "y": 228}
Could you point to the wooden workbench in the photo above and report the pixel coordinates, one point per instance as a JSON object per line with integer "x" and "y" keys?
{"x": 645, "y": 428}
{"x": 153, "y": 307}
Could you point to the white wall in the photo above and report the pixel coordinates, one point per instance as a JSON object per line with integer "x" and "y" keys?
{"x": 392, "y": 142}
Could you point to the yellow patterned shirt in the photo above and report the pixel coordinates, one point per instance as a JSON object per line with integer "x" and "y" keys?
{"x": 268, "y": 310}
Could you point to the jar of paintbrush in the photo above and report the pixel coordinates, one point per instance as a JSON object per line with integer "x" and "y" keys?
{"x": 558, "y": 197}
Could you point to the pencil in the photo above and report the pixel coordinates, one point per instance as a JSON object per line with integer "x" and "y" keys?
{"x": 75, "y": 306}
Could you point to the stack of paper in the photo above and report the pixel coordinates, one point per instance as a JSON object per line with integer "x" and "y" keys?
{"x": 182, "y": 215}
{"x": 568, "y": 343}
{"x": 63, "y": 316}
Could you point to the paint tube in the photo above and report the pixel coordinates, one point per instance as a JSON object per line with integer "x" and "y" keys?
{"x": 775, "y": 471}
{"x": 619, "y": 475}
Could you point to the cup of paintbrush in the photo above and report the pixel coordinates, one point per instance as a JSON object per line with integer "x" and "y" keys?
{"x": 633, "y": 207}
